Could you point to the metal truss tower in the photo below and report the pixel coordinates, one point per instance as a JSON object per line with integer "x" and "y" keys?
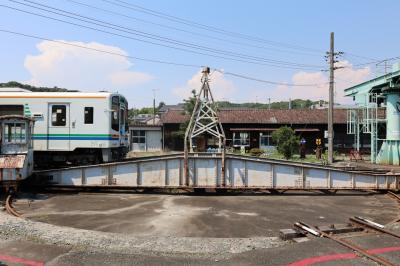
{"x": 204, "y": 120}
{"x": 204, "y": 117}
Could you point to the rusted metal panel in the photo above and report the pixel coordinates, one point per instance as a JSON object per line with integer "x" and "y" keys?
{"x": 12, "y": 161}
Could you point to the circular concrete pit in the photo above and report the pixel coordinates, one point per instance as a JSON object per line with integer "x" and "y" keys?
{"x": 228, "y": 216}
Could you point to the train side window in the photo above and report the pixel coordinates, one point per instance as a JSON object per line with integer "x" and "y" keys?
{"x": 14, "y": 133}
{"x": 59, "y": 115}
{"x": 88, "y": 115}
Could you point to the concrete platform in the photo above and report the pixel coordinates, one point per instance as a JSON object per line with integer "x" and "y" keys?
{"x": 204, "y": 216}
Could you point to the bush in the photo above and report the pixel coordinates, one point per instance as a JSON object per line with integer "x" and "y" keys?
{"x": 287, "y": 142}
{"x": 256, "y": 152}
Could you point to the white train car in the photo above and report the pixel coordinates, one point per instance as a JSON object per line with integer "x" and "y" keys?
{"x": 73, "y": 127}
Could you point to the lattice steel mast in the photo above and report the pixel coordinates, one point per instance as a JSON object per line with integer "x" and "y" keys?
{"x": 204, "y": 119}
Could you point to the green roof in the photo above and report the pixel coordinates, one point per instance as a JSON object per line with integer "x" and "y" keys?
{"x": 366, "y": 86}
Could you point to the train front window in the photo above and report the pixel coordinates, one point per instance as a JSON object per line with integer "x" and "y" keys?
{"x": 115, "y": 113}
{"x": 122, "y": 117}
{"x": 126, "y": 121}
{"x": 14, "y": 133}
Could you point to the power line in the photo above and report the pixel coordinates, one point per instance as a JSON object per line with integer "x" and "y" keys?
{"x": 176, "y": 19}
{"x": 379, "y": 61}
{"x": 360, "y": 56}
{"x": 160, "y": 38}
{"x": 267, "y": 81}
{"x": 99, "y": 50}
{"x": 273, "y": 63}
{"x": 192, "y": 32}
{"x": 151, "y": 60}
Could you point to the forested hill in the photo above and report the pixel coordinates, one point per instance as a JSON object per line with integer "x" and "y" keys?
{"x": 14, "y": 84}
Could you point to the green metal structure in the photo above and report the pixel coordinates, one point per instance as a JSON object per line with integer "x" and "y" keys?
{"x": 383, "y": 91}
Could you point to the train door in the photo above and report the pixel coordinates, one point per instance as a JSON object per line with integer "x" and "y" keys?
{"x": 58, "y": 136}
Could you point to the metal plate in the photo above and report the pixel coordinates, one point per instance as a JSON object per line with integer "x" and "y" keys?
{"x": 12, "y": 161}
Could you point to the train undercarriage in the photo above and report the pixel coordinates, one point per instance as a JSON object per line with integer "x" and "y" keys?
{"x": 81, "y": 156}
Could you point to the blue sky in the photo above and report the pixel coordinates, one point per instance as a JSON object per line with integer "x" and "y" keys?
{"x": 364, "y": 28}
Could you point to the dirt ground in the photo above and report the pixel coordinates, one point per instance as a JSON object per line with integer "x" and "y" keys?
{"x": 231, "y": 216}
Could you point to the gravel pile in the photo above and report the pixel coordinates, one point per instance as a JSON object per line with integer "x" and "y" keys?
{"x": 12, "y": 228}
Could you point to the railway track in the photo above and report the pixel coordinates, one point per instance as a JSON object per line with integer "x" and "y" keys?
{"x": 397, "y": 198}
{"x": 9, "y": 208}
{"x": 359, "y": 222}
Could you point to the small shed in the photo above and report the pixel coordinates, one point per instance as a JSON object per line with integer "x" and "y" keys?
{"x": 146, "y": 138}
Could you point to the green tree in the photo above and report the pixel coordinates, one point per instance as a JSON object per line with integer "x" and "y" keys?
{"x": 188, "y": 107}
{"x": 160, "y": 105}
{"x": 190, "y": 103}
{"x": 287, "y": 142}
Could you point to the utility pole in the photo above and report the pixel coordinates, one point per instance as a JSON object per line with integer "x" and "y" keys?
{"x": 154, "y": 106}
{"x": 332, "y": 60}
{"x": 269, "y": 103}
{"x": 330, "y": 109}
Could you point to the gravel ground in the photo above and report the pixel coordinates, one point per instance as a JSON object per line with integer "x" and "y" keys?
{"x": 12, "y": 228}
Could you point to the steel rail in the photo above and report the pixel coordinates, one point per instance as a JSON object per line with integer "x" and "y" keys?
{"x": 394, "y": 196}
{"x": 366, "y": 224}
{"x": 360, "y": 250}
{"x": 397, "y": 198}
{"x": 9, "y": 208}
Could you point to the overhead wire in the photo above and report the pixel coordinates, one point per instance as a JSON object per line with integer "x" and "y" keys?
{"x": 230, "y": 41}
{"x": 99, "y": 50}
{"x": 151, "y": 60}
{"x": 176, "y": 19}
{"x": 269, "y": 82}
{"x": 360, "y": 56}
{"x": 243, "y": 58}
{"x": 171, "y": 40}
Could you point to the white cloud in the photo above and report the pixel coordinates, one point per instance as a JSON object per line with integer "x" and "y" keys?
{"x": 221, "y": 88}
{"x": 344, "y": 78}
{"x": 76, "y": 68}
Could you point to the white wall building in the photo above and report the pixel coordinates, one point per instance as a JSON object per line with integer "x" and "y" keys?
{"x": 146, "y": 138}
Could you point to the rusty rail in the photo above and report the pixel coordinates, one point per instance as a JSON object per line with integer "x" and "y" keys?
{"x": 397, "y": 198}
{"x": 367, "y": 224}
{"x": 10, "y": 209}
{"x": 360, "y": 250}
{"x": 393, "y": 195}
